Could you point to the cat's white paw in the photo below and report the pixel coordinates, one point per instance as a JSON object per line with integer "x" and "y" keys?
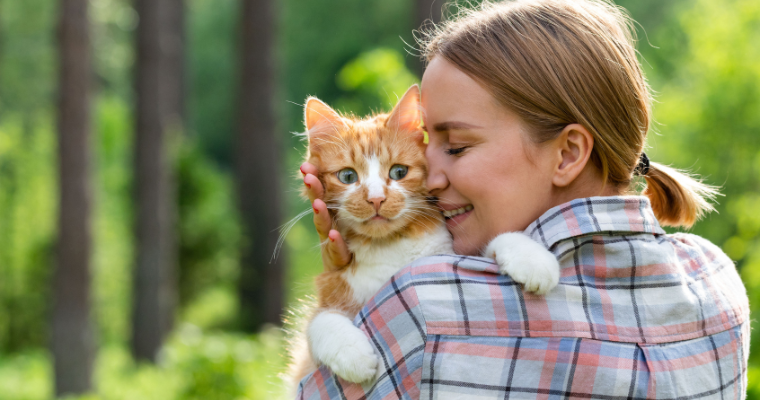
{"x": 335, "y": 341}
{"x": 356, "y": 362}
{"x": 526, "y": 261}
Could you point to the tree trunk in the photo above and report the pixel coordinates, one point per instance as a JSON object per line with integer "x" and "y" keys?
{"x": 73, "y": 343}
{"x": 428, "y": 11}
{"x": 159, "y": 110}
{"x": 173, "y": 46}
{"x": 257, "y": 163}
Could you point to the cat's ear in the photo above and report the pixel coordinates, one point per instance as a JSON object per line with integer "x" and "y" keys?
{"x": 319, "y": 115}
{"x": 407, "y": 114}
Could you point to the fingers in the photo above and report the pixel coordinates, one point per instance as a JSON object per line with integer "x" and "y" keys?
{"x": 307, "y": 168}
{"x": 321, "y": 218}
{"x": 314, "y": 187}
{"x": 338, "y": 249}
{"x": 335, "y": 253}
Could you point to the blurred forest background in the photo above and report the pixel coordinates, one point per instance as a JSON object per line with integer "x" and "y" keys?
{"x": 241, "y": 70}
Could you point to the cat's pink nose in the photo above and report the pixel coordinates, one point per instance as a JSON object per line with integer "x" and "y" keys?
{"x": 377, "y": 201}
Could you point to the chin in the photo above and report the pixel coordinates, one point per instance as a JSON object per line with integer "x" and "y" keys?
{"x": 377, "y": 229}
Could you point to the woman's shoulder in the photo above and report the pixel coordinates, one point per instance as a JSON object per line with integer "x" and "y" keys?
{"x": 711, "y": 273}
{"x": 691, "y": 239}
{"x": 444, "y": 268}
{"x": 700, "y": 250}
{"x": 445, "y": 264}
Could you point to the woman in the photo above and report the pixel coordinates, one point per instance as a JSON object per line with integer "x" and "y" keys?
{"x": 537, "y": 113}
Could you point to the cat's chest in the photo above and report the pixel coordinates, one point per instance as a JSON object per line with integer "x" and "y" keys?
{"x": 375, "y": 265}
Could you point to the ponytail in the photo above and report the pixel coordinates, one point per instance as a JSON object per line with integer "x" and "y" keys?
{"x": 678, "y": 199}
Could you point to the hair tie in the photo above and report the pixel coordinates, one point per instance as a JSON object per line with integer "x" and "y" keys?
{"x": 643, "y": 167}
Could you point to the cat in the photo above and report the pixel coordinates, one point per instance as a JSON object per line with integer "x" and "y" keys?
{"x": 373, "y": 171}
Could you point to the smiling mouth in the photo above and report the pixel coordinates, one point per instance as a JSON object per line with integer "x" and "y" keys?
{"x": 455, "y": 212}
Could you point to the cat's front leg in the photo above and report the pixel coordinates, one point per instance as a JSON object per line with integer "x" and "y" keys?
{"x": 335, "y": 341}
{"x": 526, "y": 261}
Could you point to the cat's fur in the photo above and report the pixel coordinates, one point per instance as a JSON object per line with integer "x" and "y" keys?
{"x": 411, "y": 226}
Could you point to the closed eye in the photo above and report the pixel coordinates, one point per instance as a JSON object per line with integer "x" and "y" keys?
{"x": 455, "y": 151}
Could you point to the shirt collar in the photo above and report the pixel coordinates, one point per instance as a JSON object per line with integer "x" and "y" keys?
{"x": 594, "y": 214}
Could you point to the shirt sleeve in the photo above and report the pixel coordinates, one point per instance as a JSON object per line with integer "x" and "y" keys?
{"x": 395, "y": 326}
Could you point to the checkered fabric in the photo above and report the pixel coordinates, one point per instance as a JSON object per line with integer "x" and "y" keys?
{"x": 638, "y": 314}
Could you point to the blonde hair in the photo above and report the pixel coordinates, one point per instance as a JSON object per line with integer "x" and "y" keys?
{"x": 558, "y": 62}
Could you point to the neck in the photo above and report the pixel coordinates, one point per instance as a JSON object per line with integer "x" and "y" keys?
{"x": 589, "y": 183}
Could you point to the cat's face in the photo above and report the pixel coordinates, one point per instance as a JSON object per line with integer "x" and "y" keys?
{"x": 373, "y": 170}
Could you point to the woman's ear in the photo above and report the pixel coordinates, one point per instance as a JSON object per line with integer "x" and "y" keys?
{"x": 573, "y": 146}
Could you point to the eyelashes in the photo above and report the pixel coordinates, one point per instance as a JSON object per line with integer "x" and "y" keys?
{"x": 455, "y": 151}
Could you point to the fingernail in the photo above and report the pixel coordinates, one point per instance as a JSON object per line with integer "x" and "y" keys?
{"x": 307, "y": 185}
{"x": 315, "y": 210}
{"x": 332, "y": 240}
{"x": 302, "y": 171}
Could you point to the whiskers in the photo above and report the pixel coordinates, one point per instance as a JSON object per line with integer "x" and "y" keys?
{"x": 420, "y": 210}
{"x": 285, "y": 229}
{"x": 443, "y": 200}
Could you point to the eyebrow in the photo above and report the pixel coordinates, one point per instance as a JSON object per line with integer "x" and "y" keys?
{"x": 453, "y": 125}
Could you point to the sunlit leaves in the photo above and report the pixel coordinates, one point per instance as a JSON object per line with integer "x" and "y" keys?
{"x": 377, "y": 77}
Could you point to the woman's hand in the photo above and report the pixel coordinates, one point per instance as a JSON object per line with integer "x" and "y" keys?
{"x": 335, "y": 254}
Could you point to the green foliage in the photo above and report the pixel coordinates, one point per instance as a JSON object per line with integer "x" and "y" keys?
{"x": 27, "y": 217}
{"x": 112, "y": 23}
{"x": 318, "y": 38}
{"x": 208, "y": 226}
{"x": 212, "y": 74}
{"x": 215, "y": 307}
{"x": 28, "y": 67}
{"x": 213, "y": 373}
{"x": 305, "y": 260}
{"x": 28, "y": 181}
{"x": 112, "y": 220}
{"x": 376, "y": 77}
{"x": 208, "y": 230}
{"x": 195, "y": 365}
{"x": 708, "y": 116}
{"x": 27, "y": 58}
{"x": 753, "y": 382}
{"x": 26, "y": 376}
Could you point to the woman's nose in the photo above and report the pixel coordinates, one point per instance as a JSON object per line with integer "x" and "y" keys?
{"x": 436, "y": 179}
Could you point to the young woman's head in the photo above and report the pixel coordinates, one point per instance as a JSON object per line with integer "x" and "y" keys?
{"x": 531, "y": 103}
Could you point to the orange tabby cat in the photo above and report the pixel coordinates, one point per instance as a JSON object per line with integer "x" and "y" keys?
{"x": 373, "y": 171}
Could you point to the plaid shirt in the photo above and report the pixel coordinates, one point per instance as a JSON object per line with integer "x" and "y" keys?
{"x": 638, "y": 314}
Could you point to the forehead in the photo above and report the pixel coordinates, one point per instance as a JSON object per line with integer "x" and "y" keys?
{"x": 448, "y": 94}
{"x": 367, "y": 140}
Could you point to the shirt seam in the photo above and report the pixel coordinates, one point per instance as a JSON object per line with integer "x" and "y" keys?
{"x": 424, "y": 337}
{"x": 739, "y": 322}
{"x": 557, "y": 237}
{"x": 422, "y": 313}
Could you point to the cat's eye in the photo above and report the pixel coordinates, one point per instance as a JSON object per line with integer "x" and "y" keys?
{"x": 398, "y": 171}
{"x": 348, "y": 176}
